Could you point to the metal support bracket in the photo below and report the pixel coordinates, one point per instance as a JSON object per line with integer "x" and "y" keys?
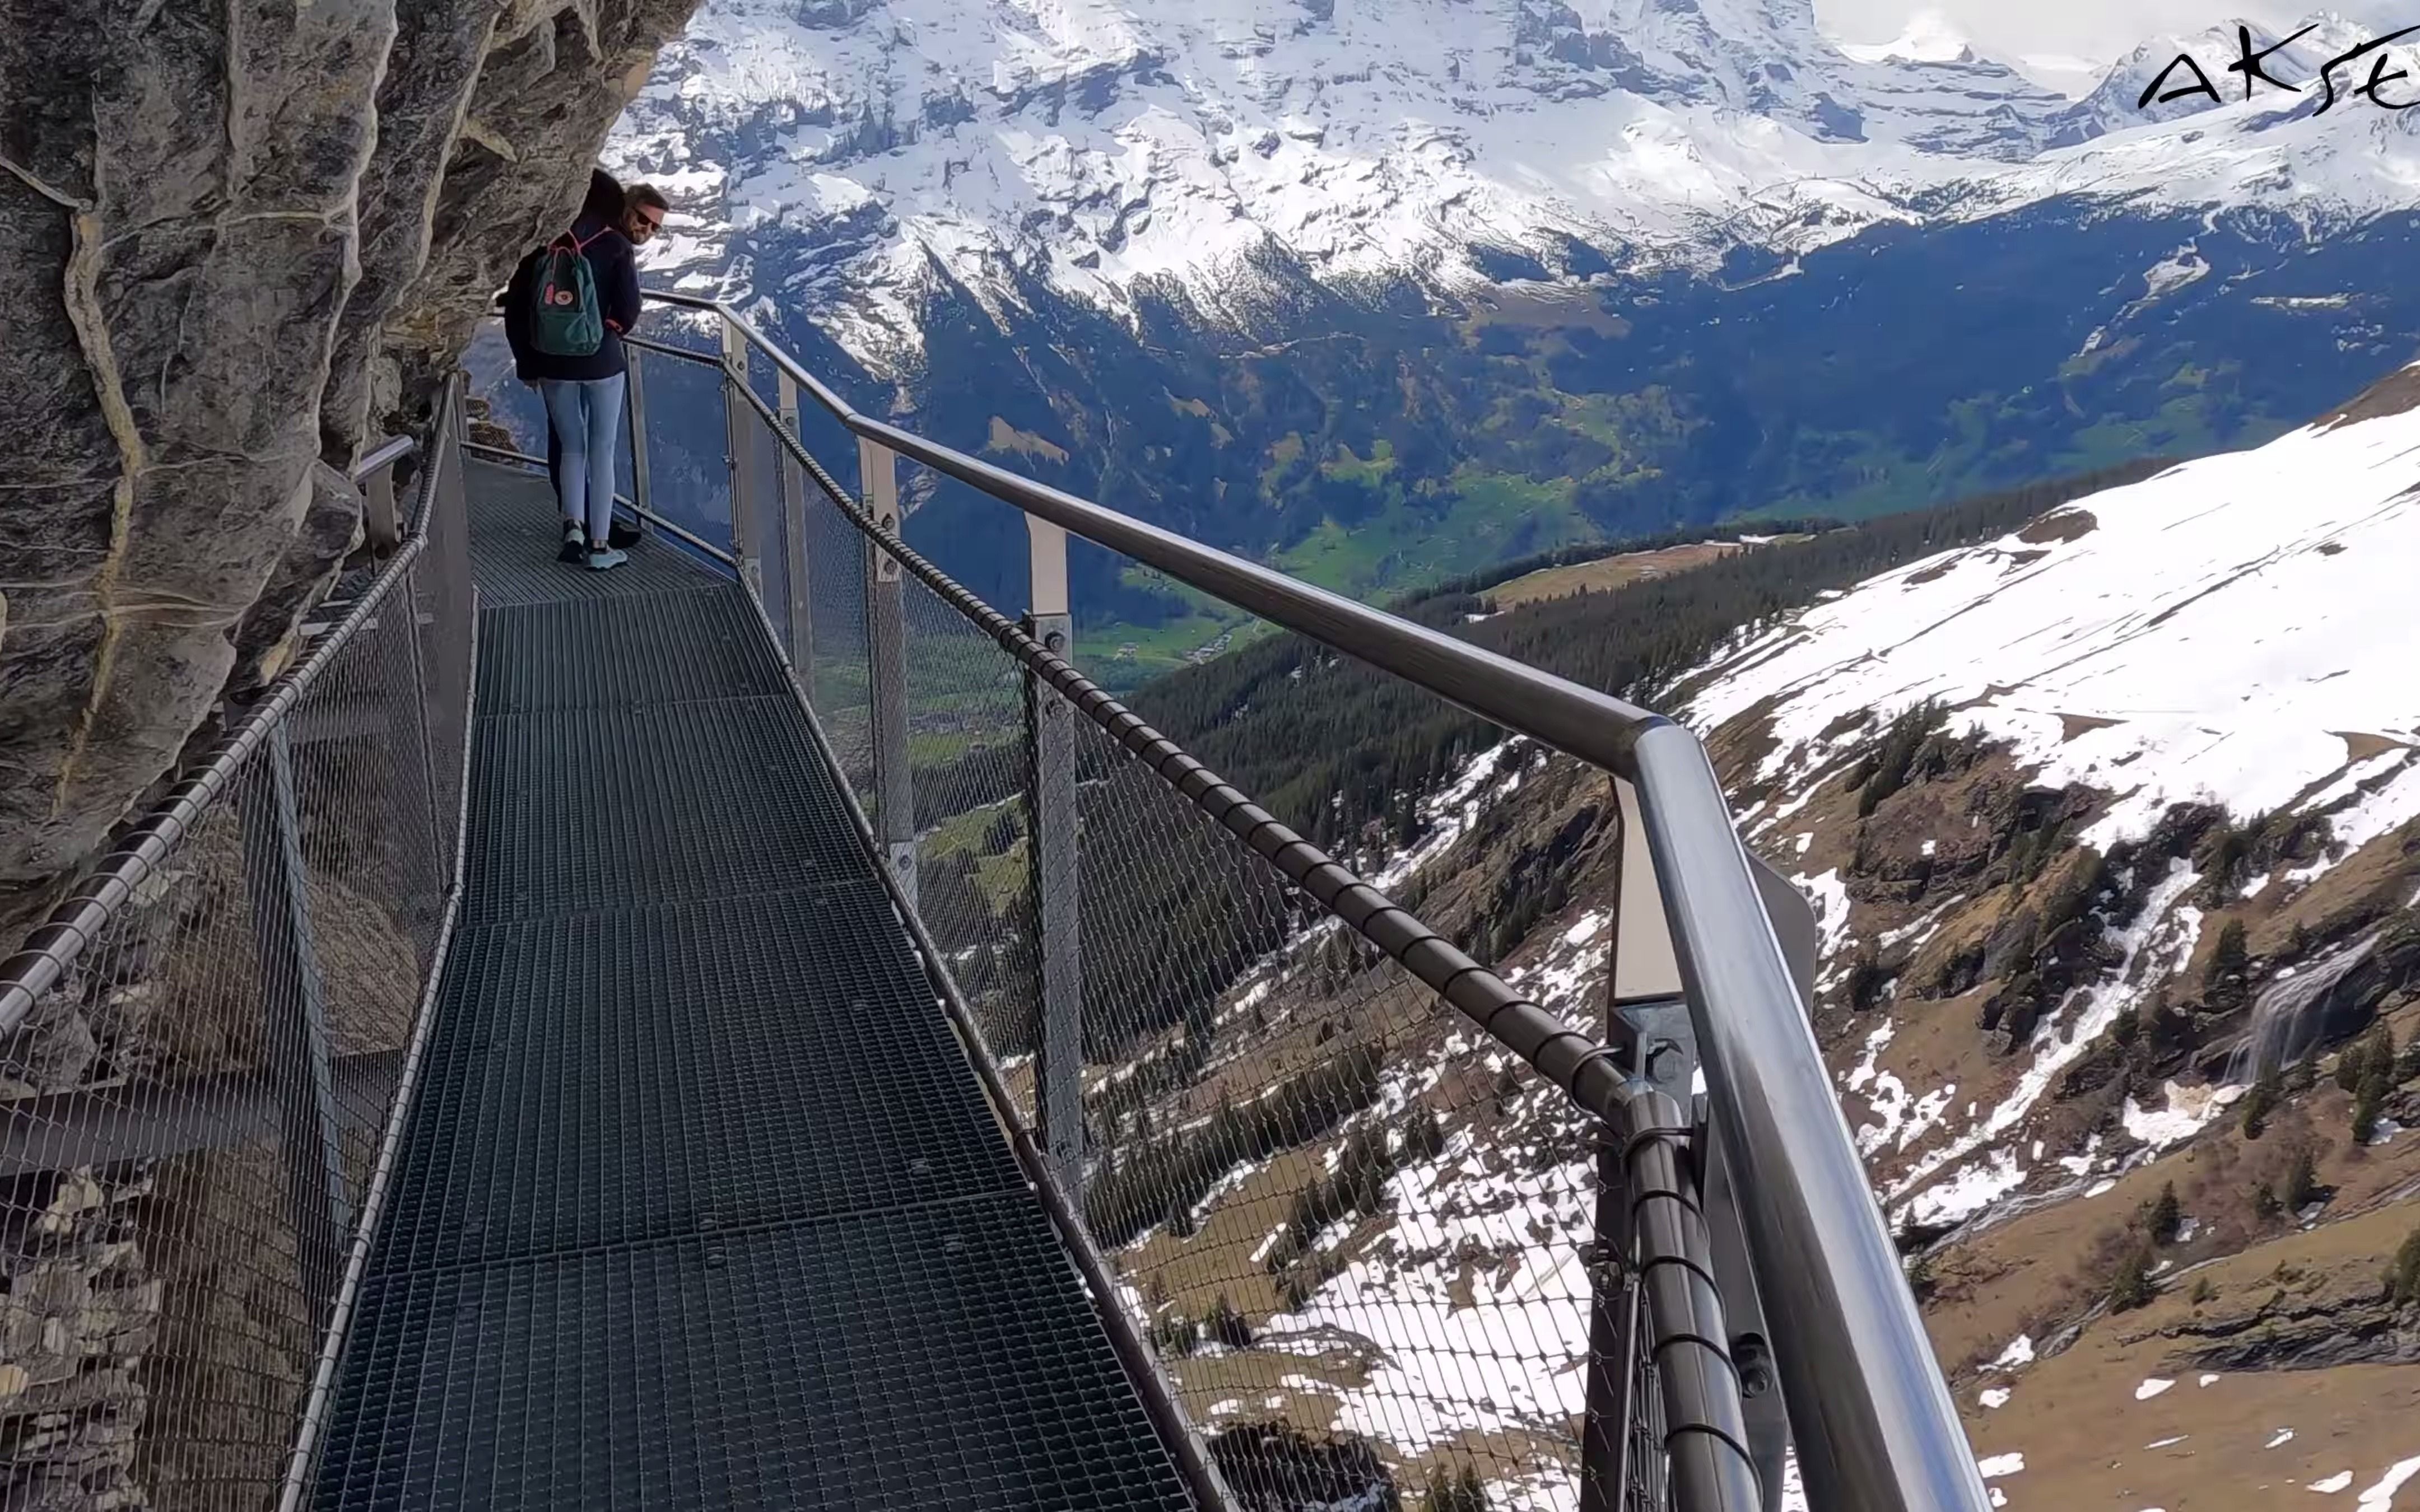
{"x": 1760, "y": 1400}
{"x": 1050, "y": 734}
{"x": 296, "y": 1012}
{"x": 798, "y": 621}
{"x": 634, "y": 405}
{"x": 379, "y": 525}
{"x": 895, "y": 815}
{"x": 1649, "y": 1029}
{"x": 739, "y": 446}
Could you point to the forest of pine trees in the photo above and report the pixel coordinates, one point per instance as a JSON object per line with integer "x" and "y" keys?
{"x": 1341, "y": 752}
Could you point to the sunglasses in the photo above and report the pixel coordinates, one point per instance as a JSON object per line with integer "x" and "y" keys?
{"x": 650, "y": 224}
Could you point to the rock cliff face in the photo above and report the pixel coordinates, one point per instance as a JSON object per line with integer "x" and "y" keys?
{"x": 237, "y": 240}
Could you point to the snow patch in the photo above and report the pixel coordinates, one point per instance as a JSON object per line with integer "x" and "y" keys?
{"x": 2152, "y": 1388}
{"x": 2188, "y": 1111}
{"x": 2190, "y": 588}
{"x": 2379, "y": 1497}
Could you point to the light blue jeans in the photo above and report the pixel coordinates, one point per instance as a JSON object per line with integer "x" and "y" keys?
{"x": 586, "y": 415}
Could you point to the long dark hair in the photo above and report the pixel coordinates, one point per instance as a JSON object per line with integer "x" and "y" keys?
{"x": 604, "y": 199}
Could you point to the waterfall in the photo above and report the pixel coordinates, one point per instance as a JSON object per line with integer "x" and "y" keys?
{"x": 2287, "y": 1016}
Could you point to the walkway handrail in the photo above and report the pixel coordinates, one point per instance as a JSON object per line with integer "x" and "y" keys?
{"x": 1873, "y": 1420}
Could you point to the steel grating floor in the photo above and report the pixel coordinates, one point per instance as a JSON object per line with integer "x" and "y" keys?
{"x": 699, "y": 1204}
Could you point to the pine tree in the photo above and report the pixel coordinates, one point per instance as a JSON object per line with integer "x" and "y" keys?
{"x": 2351, "y": 1064}
{"x": 2379, "y": 1056}
{"x": 2261, "y": 1101}
{"x": 2265, "y": 1205}
{"x": 2132, "y": 1288}
{"x": 1227, "y": 1326}
{"x": 2403, "y": 1277}
{"x": 1456, "y": 1491}
{"x": 2223, "y": 979}
{"x": 2168, "y": 1216}
{"x": 2126, "y": 1027}
{"x": 2369, "y": 1100}
{"x": 2365, "y": 1116}
{"x": 2301, "y": 1182}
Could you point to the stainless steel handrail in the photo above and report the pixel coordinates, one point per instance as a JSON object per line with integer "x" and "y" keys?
{"x": 386, "y": 455}
{"x": 1871, "y": 1415}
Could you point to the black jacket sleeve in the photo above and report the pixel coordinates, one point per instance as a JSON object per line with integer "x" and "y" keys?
{"x": 517, "y": 312}
{"x": 620, "y": 294}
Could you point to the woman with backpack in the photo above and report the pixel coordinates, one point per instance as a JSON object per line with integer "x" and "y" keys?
{"x": 568, "y": 306}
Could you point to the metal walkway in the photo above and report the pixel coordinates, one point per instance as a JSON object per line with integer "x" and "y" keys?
{"x": 590, "y": 1096}
{"x": 700, "y": 1203}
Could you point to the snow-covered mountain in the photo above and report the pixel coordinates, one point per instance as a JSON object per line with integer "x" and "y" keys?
{"x": 2033, "y": 786}
{"x": 2227, "y": 643}
{"x": 2161, "y": 715}
{"x": 837, "y": 155}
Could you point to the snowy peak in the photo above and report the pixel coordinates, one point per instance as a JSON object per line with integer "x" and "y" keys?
{"x": 841, "y": 155}
{"x": 2294, "y": 58}
{"x": 1930, "y": 38}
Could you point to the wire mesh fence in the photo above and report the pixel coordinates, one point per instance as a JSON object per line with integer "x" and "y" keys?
{"x": 1352, "y": 1227}
{"x": 839, "y": 672}
{"x": 189, "y": 1114}
{"x": 689, "y": 474}
{"x": 1356, "y": 1230}
{"x": 971, "y": 769}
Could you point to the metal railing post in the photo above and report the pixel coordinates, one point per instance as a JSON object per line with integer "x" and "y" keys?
{"x": 1050, "y": 734}
{"x": 379, "y": 523}
{"x": 799, "y": 624}
{"x": 886, "y": 637}
{"x": 635, "y": 413}
{"x": 1606, "y": 1473}
{"x": 1877, "y": 1426}
{"x": 1648, "y": 1025}
{"x": 738, "y": 441}
{"x": 296, "y": 1013}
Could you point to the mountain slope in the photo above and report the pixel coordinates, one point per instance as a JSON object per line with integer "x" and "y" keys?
{"x": 2113, "y": 828}
{"x": 2149, "y": 1179}
{"x": 2228, "y": 640}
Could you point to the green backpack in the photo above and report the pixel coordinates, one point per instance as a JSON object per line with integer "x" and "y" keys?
{"x": 567, "y": 321}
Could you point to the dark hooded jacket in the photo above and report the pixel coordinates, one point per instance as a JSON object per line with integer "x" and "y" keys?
{"x": 614, "y": 267}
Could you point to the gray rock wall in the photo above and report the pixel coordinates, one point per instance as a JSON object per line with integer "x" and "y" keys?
{"x": 237, "y": 240}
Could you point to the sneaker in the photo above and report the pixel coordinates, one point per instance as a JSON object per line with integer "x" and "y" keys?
{"x": 624, "y": 536}
{"x": 603, "y": 557}
{"x": 575, "y": 543}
